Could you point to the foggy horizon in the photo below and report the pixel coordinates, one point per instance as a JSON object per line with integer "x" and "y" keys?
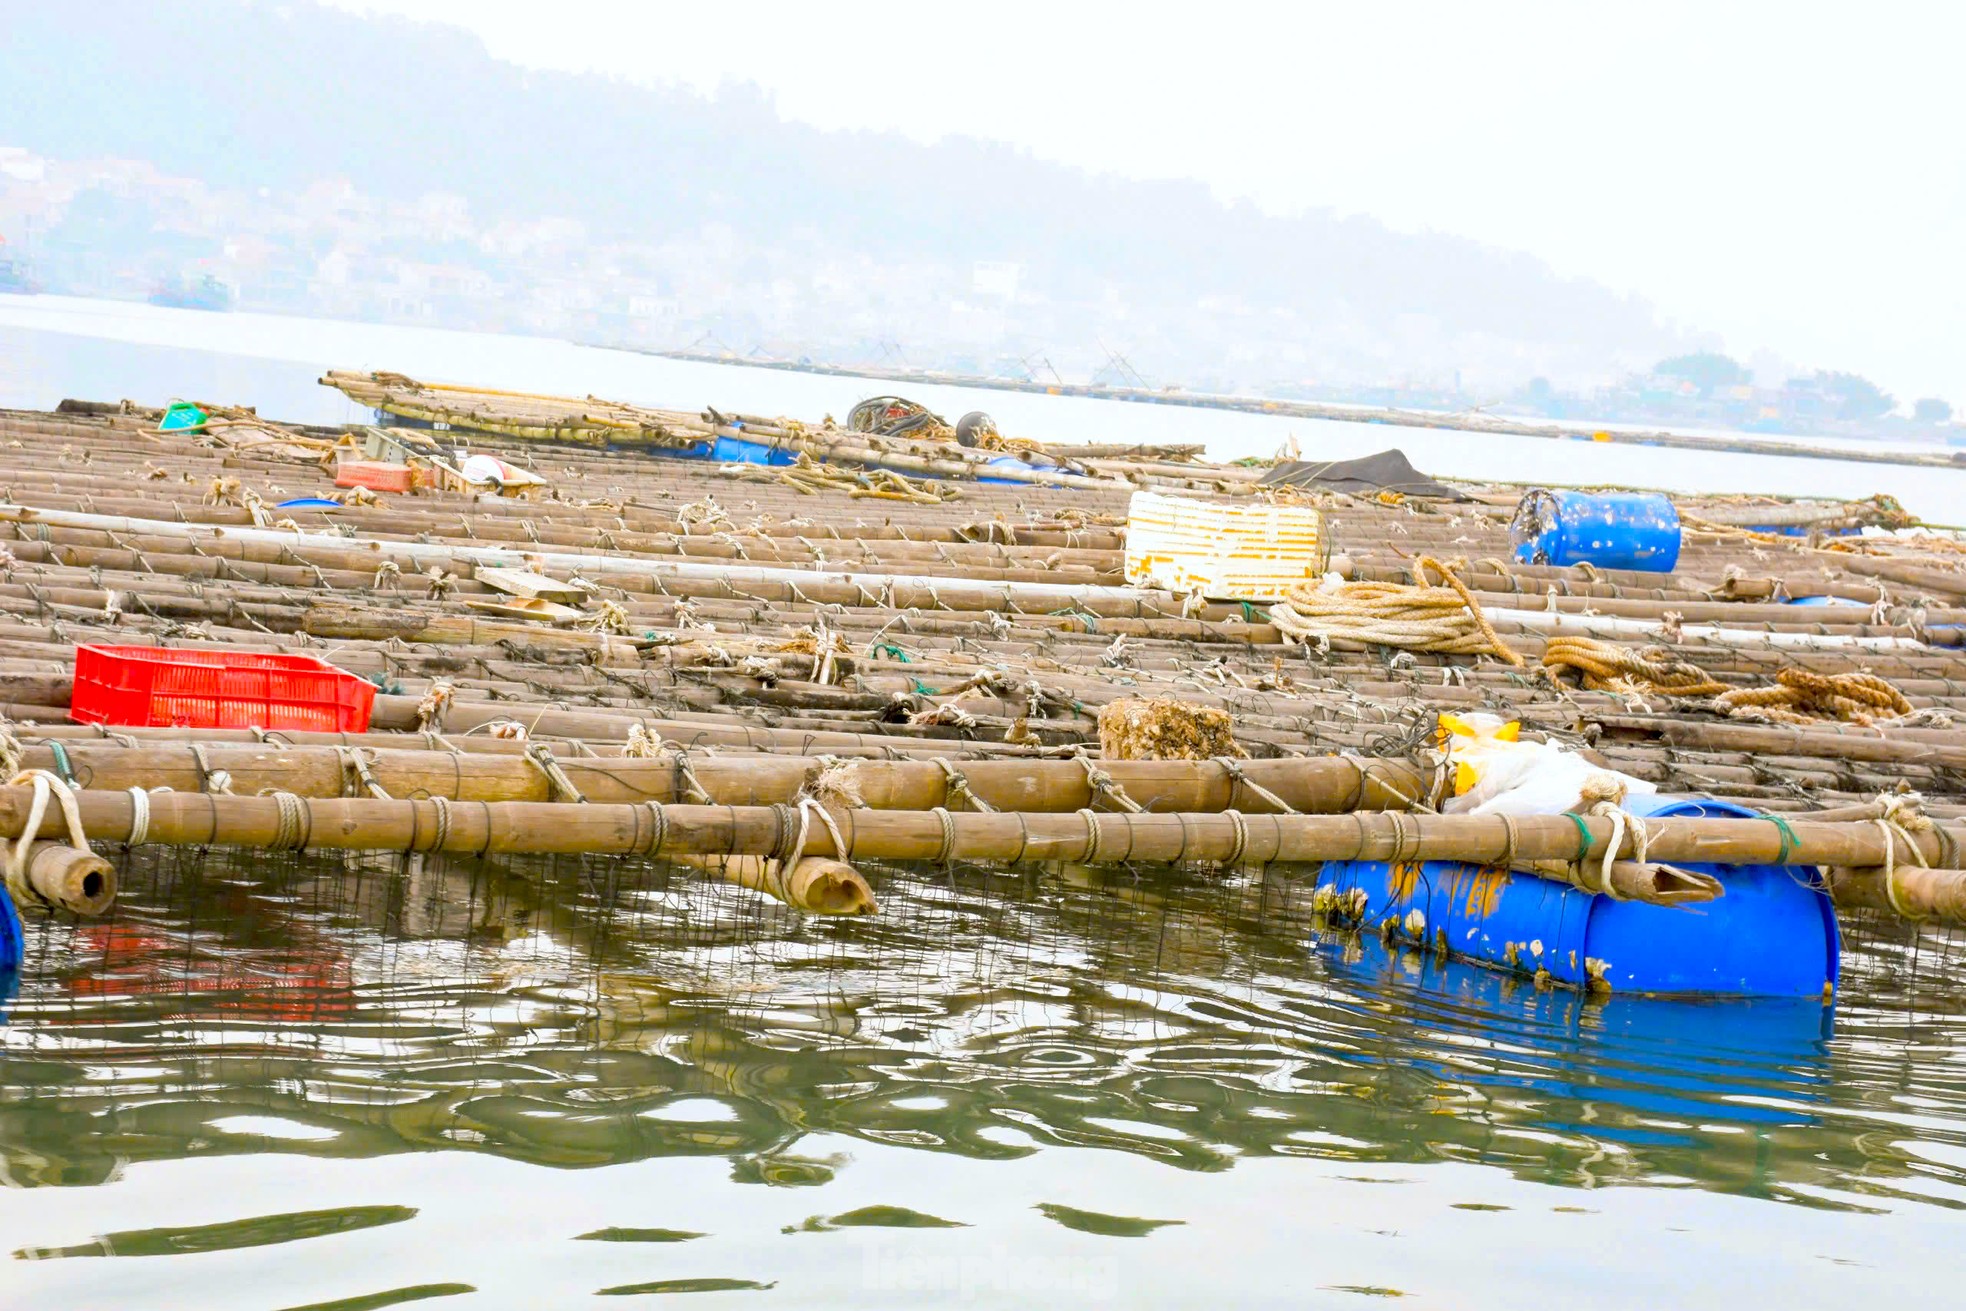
{"x": 1775, "y": 179}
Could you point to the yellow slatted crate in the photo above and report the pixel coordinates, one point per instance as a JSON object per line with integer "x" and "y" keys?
{"x": 1248, "y": 551}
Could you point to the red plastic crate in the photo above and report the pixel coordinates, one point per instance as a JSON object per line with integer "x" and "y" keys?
{"x": 376, "y": 475}
{"x": 165, "y": 687}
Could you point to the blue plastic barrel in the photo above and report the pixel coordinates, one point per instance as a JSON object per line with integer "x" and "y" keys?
{"x": 12, "y": 936}
{"x": 735, "y": 450}
{"x": 1754, "y": 1063}
{"x": 1799, "y": 530}
{"x": 1822, "y": 600}
{"x": 1612, "y": 530}
{"x": 308, "y": 503}
{"x": 1770, "y": 935}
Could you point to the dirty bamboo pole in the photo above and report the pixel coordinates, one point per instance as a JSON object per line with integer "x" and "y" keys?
{"x": 1736, "y": 775}
{"x": 1084, "y": 837}
{"x": 1263, "y": 633}
{"x": 1811, "y": 626}
{"x": 1912, "y": 891}
{"x": 1324, "y": 785}
{"x": 417, "y": 553}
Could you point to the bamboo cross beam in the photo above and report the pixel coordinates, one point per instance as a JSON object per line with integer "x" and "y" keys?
{"x": 1326, "y": 784}
{"x": 1010, "y": 591}
{"x": 520, "y": 827}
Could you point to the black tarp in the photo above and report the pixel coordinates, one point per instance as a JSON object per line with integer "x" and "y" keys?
{"x": 1386, "y": 471}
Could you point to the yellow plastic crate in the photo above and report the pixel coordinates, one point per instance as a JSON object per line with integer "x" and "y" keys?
{"x": 1232, "y": 551}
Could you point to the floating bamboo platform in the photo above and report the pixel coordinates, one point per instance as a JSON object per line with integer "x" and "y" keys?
{"x": 894, "y": 649}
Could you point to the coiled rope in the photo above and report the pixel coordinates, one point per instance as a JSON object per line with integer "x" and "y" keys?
{"x": 1606, "y": 667}
{"x": 1443, "y": 620}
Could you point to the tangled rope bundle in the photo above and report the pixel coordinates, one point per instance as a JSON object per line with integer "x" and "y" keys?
{"x": 1798, "y": 696}
{"x": 897, "y": 416}
{"x": 824, "y": 645}
{"x": 1606, "y": 667}
{"x": 705, "y": 513}
{"x": 612, "y": 617}
{"x": 1802, "y": 697}
{"x": 1445, "y": 620}
{"x": 430, "y": 710}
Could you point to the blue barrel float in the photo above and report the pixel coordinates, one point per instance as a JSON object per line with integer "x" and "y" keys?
{"x": 13, "y": 937}
{"x": 1770, "y": 934}
{"x": 1758, "y": 1065}
{"x": 735, "y": 450}
{"x": 1612, "y": 530}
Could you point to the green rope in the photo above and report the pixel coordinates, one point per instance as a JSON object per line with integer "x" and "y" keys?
{"x": 890, "y": 650}
{"x": 923, "y": 689}
{"x": 62, "y": 766}
{"x": 1090, "y": 620}
{"x": 1583, "y": 836}
{"x": 1789, "y": 841}
{"x": 1248, "y": 613}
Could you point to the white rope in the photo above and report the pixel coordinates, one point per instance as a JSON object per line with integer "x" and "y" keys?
{"x": 1612, "y": 811}
{"x": 46, "y": 785}
{"x": 293, "y": 817}
{"x": 139, "y": 817}
{"x": 809, "y": 805}
{"x": 1892, "y": 831}
{"x": 807, "y": 808}
{"x": 1234, "y": 860}
{"x": 948, "y": 823}
{"x": 1902, "y": 816}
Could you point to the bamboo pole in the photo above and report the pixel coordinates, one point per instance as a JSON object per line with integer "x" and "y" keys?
{"x": 1324, "y": 785}
{"x": 1914, "y": 890}
{"x": 418, "y": 553}
{"x": 65, "y": 877}
{"x": 268, "y": 823}
{"x": 818, "y": 885}
{"x": 1652, "y": 883}
{"x": 1699, "y": 634}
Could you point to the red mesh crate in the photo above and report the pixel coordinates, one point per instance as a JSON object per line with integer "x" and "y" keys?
{"x": 165, "y": 687}
{"x": 376, "y": 475}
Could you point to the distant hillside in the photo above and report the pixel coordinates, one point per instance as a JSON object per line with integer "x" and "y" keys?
{"x": 257, "y": 95}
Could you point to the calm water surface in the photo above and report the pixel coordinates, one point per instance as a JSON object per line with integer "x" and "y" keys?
{"x": 323, "y": 1081}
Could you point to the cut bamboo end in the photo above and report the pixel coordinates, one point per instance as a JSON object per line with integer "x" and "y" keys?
{"x": 817, "y": 885}
{"x": 823, "y": 886}
{"x": 71, "y": 879}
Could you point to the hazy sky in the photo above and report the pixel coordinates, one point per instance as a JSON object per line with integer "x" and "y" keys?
{"x": 1790, "y": 176}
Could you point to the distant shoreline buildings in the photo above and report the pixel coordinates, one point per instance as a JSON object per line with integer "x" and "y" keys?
{"x": 124, "y": 229}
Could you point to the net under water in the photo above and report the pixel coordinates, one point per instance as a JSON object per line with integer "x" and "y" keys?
{"x": 325, "y": 1081}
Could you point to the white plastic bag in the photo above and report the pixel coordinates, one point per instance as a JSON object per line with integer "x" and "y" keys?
{"x": 1495, "y": 774}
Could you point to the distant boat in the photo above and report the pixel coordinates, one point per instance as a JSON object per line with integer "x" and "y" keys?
{"x": 204, "y": 293}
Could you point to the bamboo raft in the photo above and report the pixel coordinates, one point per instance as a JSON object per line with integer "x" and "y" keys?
{"x": 893, "y": 649}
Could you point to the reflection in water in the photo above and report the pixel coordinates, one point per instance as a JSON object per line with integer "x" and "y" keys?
{"x": 587, "y": 1013}
{"x": 394, "y": 1297}
{"x": 256, "y": 1232}
{"x": 583, "y": 1013}
{"x": 1095, "y": 1222}
{"x": 686, "y": 1286}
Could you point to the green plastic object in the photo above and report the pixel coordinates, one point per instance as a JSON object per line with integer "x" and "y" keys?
{"x": 183, "y": 416}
